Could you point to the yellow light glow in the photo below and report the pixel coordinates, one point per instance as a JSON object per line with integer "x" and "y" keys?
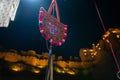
{"x": 114, "y": 31}
{"x": 118, "y": 36}
{"x": 91, "y": 50}
{"x": 103, "y": 38}
{"x": 11, "y": 57}
{"x": 92, "y": 56}
{"x": 99, "y": 48}
{"x": 41, "y": 66}
{"x": 84, "y": 50}
{"x": 17, "y": 67}
{"x": 85, "y": 54}
{"x": 71, "y": 72}
{"x": 58, "y": 70}
{"x": 106, "y": 34}
{"x": 118, "y": 30}
{"x": 107, "y": 41}
{"x": 35, "y": 70}
{"x": 97, "y": 45}
{"x": 95, "y": 53}
{"x": 63, "y": 71}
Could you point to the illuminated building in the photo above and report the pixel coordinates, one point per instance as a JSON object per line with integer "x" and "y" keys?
{"x": 101, "y": 55}
{"x": 98, "y": 55}
{"x": 87, "y": 55}
{"x": 114, "y": 39}
{"x": 99, "y": 50}
{"x": 8, "y": 9}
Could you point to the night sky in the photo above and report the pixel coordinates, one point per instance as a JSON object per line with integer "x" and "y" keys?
{"x": 80, "y": 15}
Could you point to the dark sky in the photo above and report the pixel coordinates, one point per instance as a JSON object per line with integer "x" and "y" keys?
{"x": 80, "y": 15}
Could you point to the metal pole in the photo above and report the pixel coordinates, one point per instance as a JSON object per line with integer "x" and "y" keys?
{"x": 48, "y": 73}
{"x": 51, "y": 68}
